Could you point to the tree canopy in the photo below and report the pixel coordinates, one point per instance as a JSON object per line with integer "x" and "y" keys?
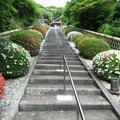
{"x": 20, "y": 13}
{"x": 88, "y": 14}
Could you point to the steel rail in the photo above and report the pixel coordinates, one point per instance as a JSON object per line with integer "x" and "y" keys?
{"x": 74, "y": 88}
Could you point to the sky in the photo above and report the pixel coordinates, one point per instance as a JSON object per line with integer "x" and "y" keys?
{"x": 57, "y": 3}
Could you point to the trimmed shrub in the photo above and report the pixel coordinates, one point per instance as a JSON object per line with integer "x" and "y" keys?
{"x": 42, "y": 28}
{"x": 28, "y": 39}
{"x": 107, "y": 64}
{"x": 70, "y": 28}
{"x": 71, "y": 35}
{"x": 14, "y": 60}
{"x": 91, "y": 46}
{"x": 78, "y": 39}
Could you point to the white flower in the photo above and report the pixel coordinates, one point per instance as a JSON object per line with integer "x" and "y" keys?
{"x": 8, "y": 66}
{"x": 107, "y": 64}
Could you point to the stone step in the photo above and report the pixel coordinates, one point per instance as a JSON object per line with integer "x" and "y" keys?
{"x": 68, "y": 55}
{"x": 40, "y": 89}
{"x": 59, "y": 72}
{"x": 62, "y": 102}
{"x": 57, "y": 50}
{"x": 57, "y": 66}
{"x": 41, "y": 79}
{"x": 56, "y": 53}
{"x": 58, "y": 62}
{"x": 65, "y": 115}
{"x": 55, "y": 46}
{"x": 56, "y": 58}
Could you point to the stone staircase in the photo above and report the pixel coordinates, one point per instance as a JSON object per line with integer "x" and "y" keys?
{"x": 45, "y": 97}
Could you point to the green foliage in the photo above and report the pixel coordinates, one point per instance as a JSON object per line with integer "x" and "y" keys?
{"x": 20, "y": 13}
{"x": 107, "y": 64}
{"x": 70, "y": 28}
{"x": 78, "y": 39}
{"x": 91, "y": 46}
{"x": 55, "y": 11}
{"x": 7, "y": 11}
{"x": 115, "y": 14}
{"x": 14, "y": 60}
{"x": 28, "y": 11}
{"x": 88, "y": 14}
{"x": 109, "y": 29}
{"x": 30, "y": 40}
{"x": 112, "y": 25}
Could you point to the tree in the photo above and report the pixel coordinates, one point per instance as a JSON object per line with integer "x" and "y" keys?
{"x": 7, "y": 12}
{"x": 88, "y": 14}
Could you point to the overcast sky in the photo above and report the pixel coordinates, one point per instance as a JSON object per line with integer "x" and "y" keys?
{"x": 57, "y": 3}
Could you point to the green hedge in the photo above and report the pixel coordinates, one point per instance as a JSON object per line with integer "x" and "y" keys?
{"x": 28, "y": 39}
{"x": 90, "y": 46}
{"x": 14, "y": 60}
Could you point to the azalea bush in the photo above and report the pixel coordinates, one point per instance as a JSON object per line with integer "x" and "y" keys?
{"x": 107, "y": 64}
{"x": 72, "y": 35}
{"x": 30, "y": 40}
{"x": 91, "y": 46}
{"x": 14, "y": 60}
{"x": 2, "y": 84}
{"x": 42, "y": 28}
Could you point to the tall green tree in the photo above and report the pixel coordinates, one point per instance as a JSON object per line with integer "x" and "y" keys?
{"x": 7, "y": 11}
{"x": 88, "y": 14}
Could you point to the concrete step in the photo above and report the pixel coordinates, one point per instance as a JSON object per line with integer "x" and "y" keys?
{"x": 58, "y": 62}
{"x": 62, "y": 102}
{"x": 57, "y": 49}
{"x": 56, "y": 52}
{"x": 68, "y": 55}
{"x": 56, "y": 58}
{"x": 57, "y": 66}
{"x": 65, "y": 115}
{"x": 41, "y": 79}
{"x": 59, "y": 72}
{"x": 40, "y": 89}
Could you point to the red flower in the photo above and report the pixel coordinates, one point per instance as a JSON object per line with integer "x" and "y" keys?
{"x": 2, "y": 84}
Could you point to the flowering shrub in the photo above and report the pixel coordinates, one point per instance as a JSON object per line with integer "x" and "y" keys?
{"x": 2, "y": 85}
{"x": 14, "y": 60}
{"x": 42, "y": 28}
{"x": 30, "y": 40}
{"x": 73, "y": 34}
{"x": 107, "y": 64}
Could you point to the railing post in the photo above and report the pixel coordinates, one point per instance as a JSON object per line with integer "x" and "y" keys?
{"x": 115, "y": 86}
